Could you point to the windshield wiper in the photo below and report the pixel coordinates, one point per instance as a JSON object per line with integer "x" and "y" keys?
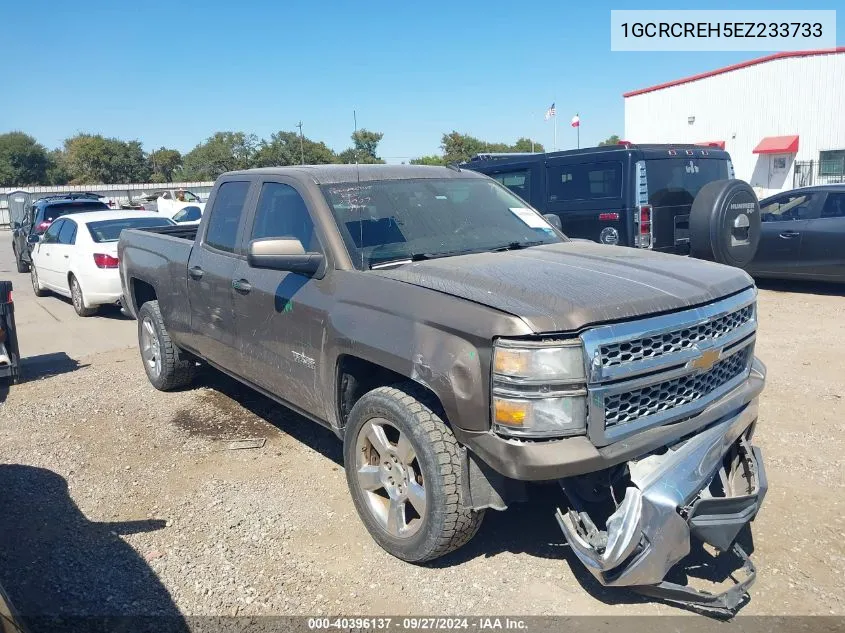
{"x": 412, "y": 257}
{"x": 515, "y": 246}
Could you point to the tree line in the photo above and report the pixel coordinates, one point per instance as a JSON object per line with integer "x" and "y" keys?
{"x": 87, "y": 159}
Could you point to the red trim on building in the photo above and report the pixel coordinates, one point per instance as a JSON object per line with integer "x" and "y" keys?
{"x": 719, "y": 144}
{"x": 727, "y": 69}
{"x": 777, "y": 145}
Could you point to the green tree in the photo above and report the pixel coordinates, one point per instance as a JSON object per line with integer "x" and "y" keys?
{"x": 23, "y": 161}
{"x": 284, "y": 148}
{"x": 364, "y": 148}
{"x": 57, "y": 174}
{"x": 222, "y": 152}
{"x": 524, "y": 144}
{"x": 163, "y": 164}
{"x": 92, "y": 158}
{"x": 428, "y": 160}
{"x": 610, "y": 140}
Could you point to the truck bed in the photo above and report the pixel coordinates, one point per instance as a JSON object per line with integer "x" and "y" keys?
{"x": 188, "y": 232}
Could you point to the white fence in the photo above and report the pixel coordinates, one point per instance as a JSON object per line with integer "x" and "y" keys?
{"x": 116, "y": 193}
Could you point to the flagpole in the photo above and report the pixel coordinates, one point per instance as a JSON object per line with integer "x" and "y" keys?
{"x": 555, "y": 118}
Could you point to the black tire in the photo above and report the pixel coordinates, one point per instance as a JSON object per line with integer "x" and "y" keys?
{"x": 724, "y": 223}
{"x": 21, "y": 265}
{"x": 78, "y": 299}
{"x": 33, "y": 277}
{"x": 445, "y": 524}
{"x": 175, "y": 368}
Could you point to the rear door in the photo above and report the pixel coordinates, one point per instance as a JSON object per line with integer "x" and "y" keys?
{"x": 524, "y": 179}
{"x": 282, "y": 315}
{"x": 823, "y": 243}
{"x": 785, "y": 220}
{"x": 588, "y": 197}
{"x": 211, "y": 269}
{"x": 673, "y": 184}
{"x": 63, "y": 251}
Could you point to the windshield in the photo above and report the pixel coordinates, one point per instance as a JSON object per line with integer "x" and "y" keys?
{"x": 389, "y": 220}
{"x": 676, "y": 181}
{"x": 109, "y": 230}
{"x": 54, "y": 211}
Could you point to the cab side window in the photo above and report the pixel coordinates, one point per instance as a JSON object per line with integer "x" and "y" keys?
{"x": 67, "y": 234}
{"x": 834, "y": 206}
{"x": 282, "y": 212}
{"x": 222, "y": 232}
{"x": 593, "y": 181}
{"x": 789, "y": 207}
{"x": 517, "y": 181}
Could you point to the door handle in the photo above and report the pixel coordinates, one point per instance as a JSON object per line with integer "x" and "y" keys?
{"x": 241, "y": 285}
{"x": 66, "y": 256}
{"x": 789, "y": 234}
{"x": 196, "y": 272}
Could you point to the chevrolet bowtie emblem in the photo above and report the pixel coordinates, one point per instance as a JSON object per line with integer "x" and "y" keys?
{"x": 707, "y": 359}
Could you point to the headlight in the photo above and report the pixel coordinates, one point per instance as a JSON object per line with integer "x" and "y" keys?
{"x": 539, "y": 388}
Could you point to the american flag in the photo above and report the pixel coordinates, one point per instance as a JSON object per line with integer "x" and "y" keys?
{"x": 550, "y": 112}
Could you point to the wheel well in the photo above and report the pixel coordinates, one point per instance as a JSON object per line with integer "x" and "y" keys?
{"x": 356, "y": 376}
{"x": 141, "y": 293}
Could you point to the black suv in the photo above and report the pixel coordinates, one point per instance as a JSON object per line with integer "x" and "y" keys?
{"x": 41, "y": 214}
{"x": 680, "y": 199}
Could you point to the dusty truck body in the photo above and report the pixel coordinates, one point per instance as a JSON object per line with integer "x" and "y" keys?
{"x": 461, "y": 346}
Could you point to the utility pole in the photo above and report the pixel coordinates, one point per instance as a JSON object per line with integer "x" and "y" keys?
{"x": 301, "y": 146}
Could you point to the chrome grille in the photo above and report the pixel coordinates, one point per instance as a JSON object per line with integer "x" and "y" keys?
{"x": 633, "y": 405}
{"x": 674, "y": 341}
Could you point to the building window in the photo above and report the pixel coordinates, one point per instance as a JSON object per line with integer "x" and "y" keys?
{"x": 832, "y": 162}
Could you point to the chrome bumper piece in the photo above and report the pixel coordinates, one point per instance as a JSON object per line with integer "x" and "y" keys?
{"x": 669, "y": 497}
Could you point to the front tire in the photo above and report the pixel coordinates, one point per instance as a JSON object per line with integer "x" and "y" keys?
{"x": 78, "y": 299}
{"x": 37, "y": 289}
{"x": 167, "y": 366}
{"x": 403, "y": 468}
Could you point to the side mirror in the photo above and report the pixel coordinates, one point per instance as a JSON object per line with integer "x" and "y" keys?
{"x": 554, "y": 220}
{"x": 33, "y": 238}
{"x": 283, "y": 253}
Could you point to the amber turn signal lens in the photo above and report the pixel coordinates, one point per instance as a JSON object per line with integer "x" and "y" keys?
{"x": 511, "y": 412}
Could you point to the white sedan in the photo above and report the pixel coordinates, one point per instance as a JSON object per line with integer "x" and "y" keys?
{"x": 77, "y": 256}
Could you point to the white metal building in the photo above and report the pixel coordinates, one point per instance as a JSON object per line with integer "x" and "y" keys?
{"x": 781, "y": 117}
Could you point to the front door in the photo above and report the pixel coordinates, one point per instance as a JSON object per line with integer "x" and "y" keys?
{"x": 45, "y": 255}
{"x": 284, "y": 313}
{"x": 211, "y": 269}
{"x": 785, "y": 219}
{"x": 823, "y": 246}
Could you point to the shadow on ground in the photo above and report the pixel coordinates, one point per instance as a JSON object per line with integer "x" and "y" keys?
{"x": 66, "y": 573}
{"x": 802, "y": 287}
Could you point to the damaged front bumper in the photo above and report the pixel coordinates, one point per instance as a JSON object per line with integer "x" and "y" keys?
{"x": 708, "y": 486}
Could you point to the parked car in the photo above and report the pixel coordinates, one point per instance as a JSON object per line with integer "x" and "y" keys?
{"x": 10, "y": 356}
{"x": 461, "y": 346}
{"x": 77, "y": 257}
{"x": 680, "y": 199}
{"x": 803, "y": 235}
{"x": 169, "y": 201}
{"x": 188, "y": 215}
{"x": 41, "y": 215}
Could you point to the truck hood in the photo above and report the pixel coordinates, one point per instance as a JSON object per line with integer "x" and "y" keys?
{"x": 567, "y": 286}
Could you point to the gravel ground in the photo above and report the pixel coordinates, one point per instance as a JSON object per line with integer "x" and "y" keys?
{"x": 118, "y": 499}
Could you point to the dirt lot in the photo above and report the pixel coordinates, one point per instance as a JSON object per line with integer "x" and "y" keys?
{"x": 117, "y": 499}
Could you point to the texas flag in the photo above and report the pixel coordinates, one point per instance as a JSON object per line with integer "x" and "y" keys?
{"x": 576, "y": 121}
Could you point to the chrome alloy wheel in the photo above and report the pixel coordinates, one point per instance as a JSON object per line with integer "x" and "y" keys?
{"x": 390, "y": 478}
{"x": 150, "y": 347}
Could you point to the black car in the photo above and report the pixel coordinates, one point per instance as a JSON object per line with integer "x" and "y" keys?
{"x": 803, "y": 235}
{"x": 638, "y": 195}
{"x": 41, "y": 215}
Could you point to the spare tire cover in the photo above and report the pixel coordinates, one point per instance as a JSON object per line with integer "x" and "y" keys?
{"x": 724, "y": 223}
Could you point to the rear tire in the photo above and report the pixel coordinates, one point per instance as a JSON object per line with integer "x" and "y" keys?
{"x": 403, "y": 468}
{"x": 19, "y": 263}
{"x": 724, "y": 223}
{"x": 167, "y": 366}
{"x": 36, "y": 283}
{"x": 78, "y": 299}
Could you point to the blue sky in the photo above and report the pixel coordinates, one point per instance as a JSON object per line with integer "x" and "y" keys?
{"x": 172, "y": 73}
